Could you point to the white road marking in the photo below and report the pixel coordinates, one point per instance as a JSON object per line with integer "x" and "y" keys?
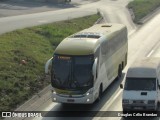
{"x": 110, "y": 102}
{"x": 150, "y": 53}
{"x": 131, "y": 32}
{"x": 112, "y": 99}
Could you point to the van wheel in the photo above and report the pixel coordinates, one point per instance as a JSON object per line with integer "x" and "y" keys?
{"x": 157, "y": 107}
{"x": 119, "y": 71}
{"x": 100, "y": 93}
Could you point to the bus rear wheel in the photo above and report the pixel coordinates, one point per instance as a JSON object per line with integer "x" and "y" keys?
{"x": 126, "y": 59}
{"x": 119, "y": 71}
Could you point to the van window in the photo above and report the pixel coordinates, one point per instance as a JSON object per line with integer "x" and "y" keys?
{"x": 140, "y": 84}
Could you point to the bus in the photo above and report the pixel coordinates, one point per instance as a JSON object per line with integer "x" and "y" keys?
{"x": 86, "y": 63}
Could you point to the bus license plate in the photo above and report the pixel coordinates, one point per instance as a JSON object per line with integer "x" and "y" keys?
{"x": 70, "y": 100}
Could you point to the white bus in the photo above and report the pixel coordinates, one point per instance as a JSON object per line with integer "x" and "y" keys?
{"x": 86, "y": 63}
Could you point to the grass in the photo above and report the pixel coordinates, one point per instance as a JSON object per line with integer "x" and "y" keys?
{"x": 23, "y": 54}
{"x": 141, "y": 8}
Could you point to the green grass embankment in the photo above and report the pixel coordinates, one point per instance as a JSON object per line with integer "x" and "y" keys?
{"x": 141, "y": 8}
{"x": 23, "y": 54}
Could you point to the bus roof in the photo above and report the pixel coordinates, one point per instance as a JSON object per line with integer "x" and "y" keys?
{"x": 144, "y": 68}
{"x": 87, "y": 41}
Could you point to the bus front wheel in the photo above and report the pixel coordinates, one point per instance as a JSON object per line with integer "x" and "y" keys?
{"x": 100, "y": 93}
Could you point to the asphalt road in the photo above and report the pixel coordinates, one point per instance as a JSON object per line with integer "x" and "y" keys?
{"x": 117, "y": 13}
{"x": 20, "y": 7}
{"x": 143, "y": 42}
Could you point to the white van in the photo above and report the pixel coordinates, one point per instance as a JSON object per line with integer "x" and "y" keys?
{"x": 141, "y": 89}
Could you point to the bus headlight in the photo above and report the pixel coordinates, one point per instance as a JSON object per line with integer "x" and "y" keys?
{"x": 54, "y": 92}
{"x": 90, "y": 91}
{"x": 54, "y": 99}
{"x": 87, "y": 93}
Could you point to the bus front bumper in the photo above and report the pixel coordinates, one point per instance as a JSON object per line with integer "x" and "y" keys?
{"x": 74, "y": 99}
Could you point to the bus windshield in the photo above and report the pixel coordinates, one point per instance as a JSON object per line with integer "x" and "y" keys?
{"x": 72, "y": 72}
{"x": 140, "y": 84}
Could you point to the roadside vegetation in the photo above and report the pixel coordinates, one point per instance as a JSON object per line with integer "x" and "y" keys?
{"x": 23, "y": 54}
{"x": 141, "y": 8}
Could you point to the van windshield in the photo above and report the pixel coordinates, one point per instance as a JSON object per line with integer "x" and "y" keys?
{"x": 140, "y": 84}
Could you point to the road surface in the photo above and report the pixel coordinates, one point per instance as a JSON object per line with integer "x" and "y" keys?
{"x": 21, "y": 7}
{"x": 144, "y": 42}
{"x": 120, "y": 15}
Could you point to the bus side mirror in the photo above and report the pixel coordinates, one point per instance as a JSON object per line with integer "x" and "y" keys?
{"x": 47, "y": 66}
{"x": 121, "y": 86}
{"x": 94, "y": 68}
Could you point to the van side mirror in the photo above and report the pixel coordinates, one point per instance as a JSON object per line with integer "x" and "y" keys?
{"x": 159, "y": 86}
{"x": 94, "y": 68}
{"x": 121, "y": 86}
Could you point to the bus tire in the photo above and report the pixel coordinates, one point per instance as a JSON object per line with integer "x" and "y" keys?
{"x": 156, "y": 109}
{"x": 100, "y": 93}
{"x": 122, "y": 65}
{"x": 126, "y": 59}
{"x": 119, "y": 71}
